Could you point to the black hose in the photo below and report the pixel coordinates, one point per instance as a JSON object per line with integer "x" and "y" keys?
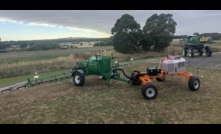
{"x": 137, "y": 76}
{"x": 119, "y": 69}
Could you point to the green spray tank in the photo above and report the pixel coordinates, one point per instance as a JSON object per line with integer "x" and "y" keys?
{"x": 100, "y": 65}
{"x": 198, "y": 40}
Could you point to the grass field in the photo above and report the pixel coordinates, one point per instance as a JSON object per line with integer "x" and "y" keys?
{"x": 98, "y": 102}
{"x": 31, "y": 58}
{"x": 64, "y": 59}
{"x": 20, "y": 66}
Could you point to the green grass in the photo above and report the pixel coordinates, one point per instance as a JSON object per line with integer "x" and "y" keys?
{"x": 26, "y": 65}
{"x": 98, "y": 102}
{"x": 31, "y": 58}
{"x": 13, "y": 80}
{"x": 175, "y": 42}
{"x": 217, "y": 44}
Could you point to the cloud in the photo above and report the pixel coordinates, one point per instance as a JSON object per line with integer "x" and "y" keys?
{"x": 188, "y": 21}
{"x": 4, "y": 20}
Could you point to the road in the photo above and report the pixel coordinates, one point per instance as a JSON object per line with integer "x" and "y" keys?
{"x": 213, "y": 62}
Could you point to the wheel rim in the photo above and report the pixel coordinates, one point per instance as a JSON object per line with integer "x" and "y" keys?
{"x": 189, "y": 53}
{"x": 150, "y": 92}
{"x": 77, "y": 79}
{"x": 183, "y": 52}
{"x": 202, "y": 51}
{"x": 196, "y": 84}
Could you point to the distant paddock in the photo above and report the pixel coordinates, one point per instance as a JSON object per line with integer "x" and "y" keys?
{"x": 53, "y": 52}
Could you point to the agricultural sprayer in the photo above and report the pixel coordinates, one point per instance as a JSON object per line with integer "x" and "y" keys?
{"x": 196, "y": 43}
{"x": 103, "y": 67}
{"x": 106, "y": 68}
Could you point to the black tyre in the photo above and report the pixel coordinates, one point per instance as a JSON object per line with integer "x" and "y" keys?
{"x": 208, "y": 51}
{"x": 190, "y": 52}
{"x": 194, "y": 83}
{"x": 149, "y": 91}
{"x": 184, "y": 51}
{"x": 200, "y": 52}
{"x": 135, "y": 80}
{"x": 78, "y": 79}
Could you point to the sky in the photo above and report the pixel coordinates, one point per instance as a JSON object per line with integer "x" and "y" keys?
{"x": 50, "y": 24}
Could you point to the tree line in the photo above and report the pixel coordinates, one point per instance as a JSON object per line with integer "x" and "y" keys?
{"x": 35, "y": 45}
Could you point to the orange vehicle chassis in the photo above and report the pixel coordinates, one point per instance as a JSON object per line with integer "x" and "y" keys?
{"x": 145, "y": 78}
{"x": 149, "y": 91}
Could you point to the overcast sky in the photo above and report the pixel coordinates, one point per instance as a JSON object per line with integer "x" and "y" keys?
{"x": 49, "y": 24}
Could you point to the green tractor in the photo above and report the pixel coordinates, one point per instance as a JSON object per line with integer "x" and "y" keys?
{"x": 192, "y": 44}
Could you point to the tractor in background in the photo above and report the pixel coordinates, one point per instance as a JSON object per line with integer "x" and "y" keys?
{"x": 192, "y": 44}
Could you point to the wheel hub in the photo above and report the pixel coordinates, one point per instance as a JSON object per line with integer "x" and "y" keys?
{"x": 196, "y": 84}
{"x": 77, "y": 79}
{"x": 150, "y": 92}
{"x": 183, "y": 52}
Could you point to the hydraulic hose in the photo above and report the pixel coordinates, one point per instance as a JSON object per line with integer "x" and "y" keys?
{"x": 119, "y": 69}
